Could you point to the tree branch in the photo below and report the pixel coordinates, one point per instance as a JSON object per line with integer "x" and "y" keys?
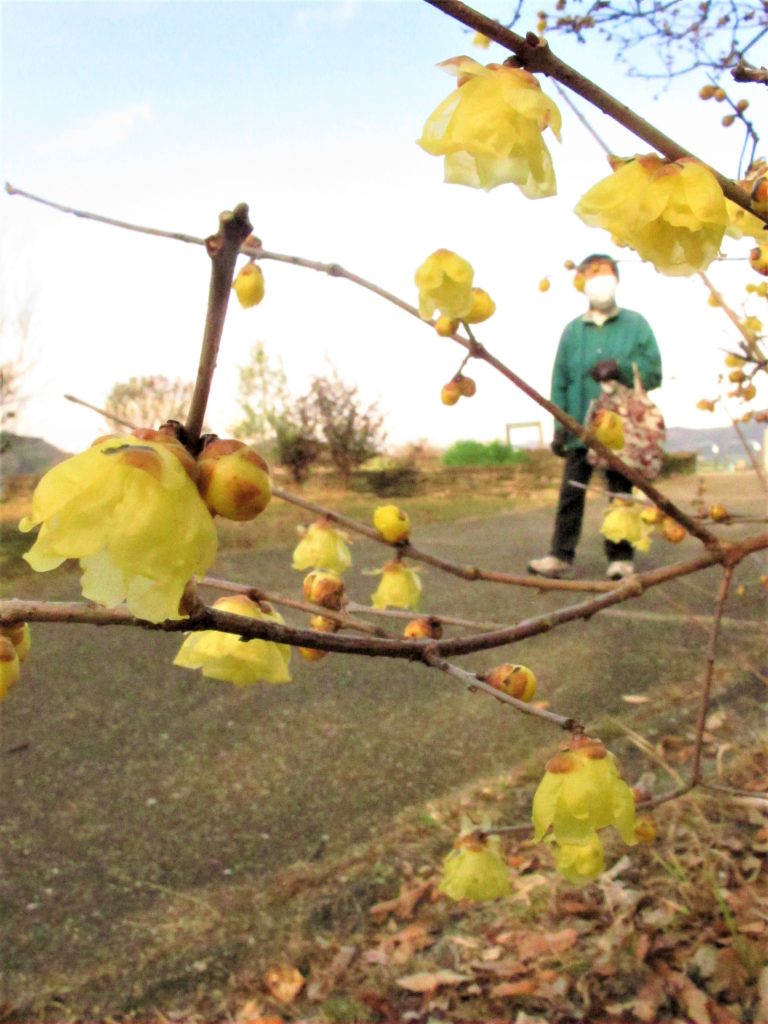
{"x": 706, "y": 690}
{"x": 223, "y": 248}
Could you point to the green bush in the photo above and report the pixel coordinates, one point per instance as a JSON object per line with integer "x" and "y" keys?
{"x": 490, "y": 453}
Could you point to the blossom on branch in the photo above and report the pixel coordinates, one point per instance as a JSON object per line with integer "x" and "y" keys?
{"x": 490, "y": 129}
{"x": 322, "y": 547}
{"x": 400, "y": 587}
{"x": 582, "y": 792}
{"x": 673, "y": 214}
{"x": 444, "y": 281}
{"x": 227, "y": 657}
{"x": 128, "y": 510}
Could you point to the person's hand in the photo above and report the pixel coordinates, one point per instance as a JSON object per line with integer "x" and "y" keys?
{"x": 558, "y": 445}
{"x": 606, "y": 369}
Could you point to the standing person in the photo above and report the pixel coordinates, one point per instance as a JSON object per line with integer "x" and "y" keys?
{"x": 601, "y": 345}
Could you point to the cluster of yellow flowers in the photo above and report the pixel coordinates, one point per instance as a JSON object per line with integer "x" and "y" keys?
{"x": 15, "y": 642}
{"x": 625, "y": 520}
{"x": 671, "y": 212}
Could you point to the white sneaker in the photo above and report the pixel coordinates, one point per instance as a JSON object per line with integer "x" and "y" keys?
{"x": 552, "y": 567}
{"x": 620, "y": 570}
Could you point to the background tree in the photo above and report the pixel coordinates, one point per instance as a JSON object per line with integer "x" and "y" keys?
{"x": 352, "y": 433}
{"x": 15, "y": 330}
{"x": 149, "y": 401}
{"x": 296, "y": 445}
{"x": 263, "y": 397}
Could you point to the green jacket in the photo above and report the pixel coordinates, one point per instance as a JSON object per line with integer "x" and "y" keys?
{"x": 627, "y": 337}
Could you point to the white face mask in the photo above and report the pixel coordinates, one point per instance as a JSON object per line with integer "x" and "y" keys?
{"x": 601, "y": 290}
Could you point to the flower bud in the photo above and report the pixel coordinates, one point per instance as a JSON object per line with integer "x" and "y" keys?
{"x": 423, "y": 629}
{"x": 392, "y": 523}
{"x": 326, "y": 588}
{"x": 672, "y": 530}
{"x": 20, "y": 636}
{"x": 450, "y": 393}
{"x": 467, "y": 386}
{"x": 234, "y": 480}
{"x": 719, "y": 513}
{"x": 545, "y": 284}
{"x": 445, "y": 326}
{"x": 249, "y": 285}
{"x": 514, "y": 680}
{"x": 483, "y": 307}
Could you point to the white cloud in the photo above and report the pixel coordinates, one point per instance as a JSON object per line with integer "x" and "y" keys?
{"x": 325, "y": 13}
{"x": 99, "y": 132}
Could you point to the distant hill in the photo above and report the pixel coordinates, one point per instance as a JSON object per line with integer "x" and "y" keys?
{"x": 22, "y": 455}
{"x": 690, "y": 439}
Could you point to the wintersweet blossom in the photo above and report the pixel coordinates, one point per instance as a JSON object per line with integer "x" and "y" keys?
{"x": 475, "y": 869}
{"x": 490, "y": 129}
{"x": 582, "y": 792}
{"x": 623, "y": 521}
{"x": 400, "y": 587}
{"x": 127, "y": 509}
{"x": 242, "y": 662}
{"x": 322, "y": 547}
{"x": 444, "y": 281}
{"x": 673, "y": 214}
{"x": 579, "y": 863}
{"x": 10, "y": 670}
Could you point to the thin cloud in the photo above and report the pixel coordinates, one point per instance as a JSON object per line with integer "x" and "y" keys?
{"x": 99, "y": 132}
{"x": 325, "y": 14}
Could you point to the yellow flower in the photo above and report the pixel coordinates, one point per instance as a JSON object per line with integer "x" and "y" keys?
{"x": 225, "y": 656}
{"x": 392, "y": 523}
{"x": 672, "y": 214}
{"x": 322, "y": 547}
{"x": 130, "y": 513}
{"x": 10, "y": 671}
{"x": 741, "y": 222}
{"x": 489, "y": 129}
{"x": 580, "y": 793}
{"x": 609, "y": 429}
{"x": 478, "y": 39}
{"x": 444, "y": 281}
{"x": 475, "y": 870}
{"x": 400, "y": 587}
{"x": 626, "y": 522}
{"x": 579, "y": 863}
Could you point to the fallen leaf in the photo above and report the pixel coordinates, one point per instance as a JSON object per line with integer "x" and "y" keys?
{"x": 320, "y": 987}
{"x": 431, "y": 981}
{"x": 501, "y": 969}
{"x": 250, "y": 1013}
{"x": 284, "y": 983}
{"x": 635, "y": 698}
{"x": 506, "y": 989}
{"x": 404, "y": 904}
{"x": 762, "y": 995}
{"x": 492, "y": 953}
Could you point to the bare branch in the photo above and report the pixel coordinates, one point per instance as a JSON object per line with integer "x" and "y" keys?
{"x": 706, "y": 690}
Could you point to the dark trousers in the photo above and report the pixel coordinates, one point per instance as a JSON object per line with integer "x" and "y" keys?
{"x": 570, "y": 508}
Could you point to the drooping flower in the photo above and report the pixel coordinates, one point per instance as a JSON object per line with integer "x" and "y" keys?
{"x": 475, "y": 869}
{"x": 444, "y": 281}
{"x": 322, "y": 547}
{"x": 741, "y": 222}
{"x": 624, "y": 521}
{"x": 400, "y": 587}
{"x": 579, "y": 863}
{"x": 672, "y": 214}
{"x": 242, "y": 662}
{"x": 490, "y": 129}
{"x": 127, "y": 509}
{"x": 580, "y": 793}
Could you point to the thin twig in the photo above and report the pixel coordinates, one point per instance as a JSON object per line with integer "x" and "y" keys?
{"x": 709, "y": 668}
{"x": 534, "y": 54}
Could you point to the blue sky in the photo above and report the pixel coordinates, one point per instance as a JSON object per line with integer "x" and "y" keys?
{"x": 165, "y": 113}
